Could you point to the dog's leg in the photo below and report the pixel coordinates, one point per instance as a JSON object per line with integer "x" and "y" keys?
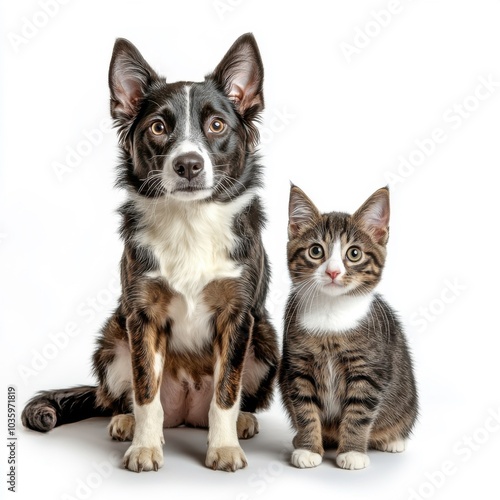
{"x": 147, "y": 348}
{"x": 232, "y": 339}
{"x": 145, "y": 452}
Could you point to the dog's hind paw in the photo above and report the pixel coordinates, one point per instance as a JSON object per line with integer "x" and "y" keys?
{"x": 122, "y": 427}
{"x": 247, "y": 425}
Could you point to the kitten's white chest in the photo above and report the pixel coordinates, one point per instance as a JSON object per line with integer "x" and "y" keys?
{"x": 330, "y": 315}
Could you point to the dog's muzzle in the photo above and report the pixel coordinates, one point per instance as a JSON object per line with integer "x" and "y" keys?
{"x": 188, "y": 165}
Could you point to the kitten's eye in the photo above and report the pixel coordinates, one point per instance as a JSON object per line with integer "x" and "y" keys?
{"x": 217, "y": 126}
{"x": 158, "y": 128}
{"x": 316, "y": 252}
{"x": 354, "y": 254}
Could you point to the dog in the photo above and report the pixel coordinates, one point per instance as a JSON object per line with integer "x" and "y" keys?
{"x": 190, "y": 342}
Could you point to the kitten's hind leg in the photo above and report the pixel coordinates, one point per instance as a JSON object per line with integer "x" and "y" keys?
{"x": 390, "y": 439}
{"x": 121, "y": 427}
{"x": 395, "y": 446}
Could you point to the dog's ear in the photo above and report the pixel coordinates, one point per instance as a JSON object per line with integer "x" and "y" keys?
{"x": 241, "y": 75}
{"x": 129, "y": 78}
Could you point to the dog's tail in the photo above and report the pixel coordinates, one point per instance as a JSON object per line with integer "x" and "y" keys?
{"x": 49, "y": 409}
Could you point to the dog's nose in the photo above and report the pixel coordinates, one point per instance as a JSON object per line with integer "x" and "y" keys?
{"x": 188, "y": 165}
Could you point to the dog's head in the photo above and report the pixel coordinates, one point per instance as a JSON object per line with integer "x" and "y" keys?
{"x": 188, "y": 140}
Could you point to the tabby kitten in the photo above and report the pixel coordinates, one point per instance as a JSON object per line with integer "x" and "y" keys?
{"x": 346, "y": 375}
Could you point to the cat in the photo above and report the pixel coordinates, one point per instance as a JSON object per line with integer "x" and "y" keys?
{"x": 346, "y": 375}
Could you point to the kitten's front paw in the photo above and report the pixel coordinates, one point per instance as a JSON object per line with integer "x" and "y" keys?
{"x": 227, "y": 458}
{"x": 353, "y": 460}
{"x": 304, "y": 459}
{"x": 142, "y": 458}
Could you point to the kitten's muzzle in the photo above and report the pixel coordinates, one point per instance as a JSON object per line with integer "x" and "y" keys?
{"x": 188, "y": 165}
{"x": 332, "y": 274}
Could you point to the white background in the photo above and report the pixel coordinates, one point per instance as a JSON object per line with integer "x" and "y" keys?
{"x": 335, "y": 127}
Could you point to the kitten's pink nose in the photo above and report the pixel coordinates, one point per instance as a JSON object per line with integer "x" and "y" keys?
{"x": 332, "y": 274}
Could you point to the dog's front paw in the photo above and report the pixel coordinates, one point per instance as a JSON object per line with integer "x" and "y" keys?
{"x": 228, "y": 458}
{"x": 353, "y": 460}
{"x": 305, "y": 459}
{"x": 142, "y": 458}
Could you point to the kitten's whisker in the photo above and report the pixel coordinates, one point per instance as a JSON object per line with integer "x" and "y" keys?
{"x": 301, "y": 294}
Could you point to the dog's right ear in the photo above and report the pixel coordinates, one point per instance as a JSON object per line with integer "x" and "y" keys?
{"x": 129, "y": 78}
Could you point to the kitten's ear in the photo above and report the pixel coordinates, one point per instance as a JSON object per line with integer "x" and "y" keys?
{"x": 241, "y": 75}
{"x": 373, "y": 216}
{"x": 301, "y": 212}
{"x": 129, "y": 78}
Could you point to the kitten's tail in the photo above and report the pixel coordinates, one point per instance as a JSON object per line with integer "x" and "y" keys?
{"x": 49, "y": 409}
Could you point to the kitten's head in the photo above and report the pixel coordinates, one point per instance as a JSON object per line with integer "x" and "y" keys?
{"x": 337, "y": 253}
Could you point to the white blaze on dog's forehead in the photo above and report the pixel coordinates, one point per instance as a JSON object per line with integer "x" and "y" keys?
{"x": 187, "y": 131}
{"x": 186, "y": 146}
{"x": 188, "y": 143}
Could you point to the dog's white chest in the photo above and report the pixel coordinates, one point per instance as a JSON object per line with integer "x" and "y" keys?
{"x": 192, "y": 244}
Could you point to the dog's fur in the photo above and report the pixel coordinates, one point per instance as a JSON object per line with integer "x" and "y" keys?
{"x": 190, "y": 341}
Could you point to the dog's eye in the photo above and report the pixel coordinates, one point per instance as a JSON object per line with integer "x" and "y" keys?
{"x": 158, "y": 128}
{"x": 217, "y": 126}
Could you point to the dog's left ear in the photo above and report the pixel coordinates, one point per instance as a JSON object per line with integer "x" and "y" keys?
{"x": 241, "y": 75}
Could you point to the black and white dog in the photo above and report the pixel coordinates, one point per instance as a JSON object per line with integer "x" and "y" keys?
{"x": 190, "y": 342}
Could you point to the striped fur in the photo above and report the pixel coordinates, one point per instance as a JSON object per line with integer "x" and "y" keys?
{"x": 344, "y": 383}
